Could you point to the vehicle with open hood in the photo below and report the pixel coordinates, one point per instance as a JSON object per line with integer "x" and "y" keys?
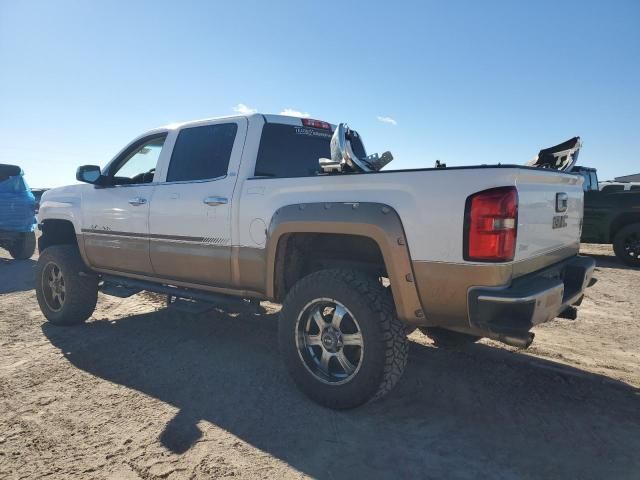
{"x": 17, "y": 213}
{"x": 234, "y": 210}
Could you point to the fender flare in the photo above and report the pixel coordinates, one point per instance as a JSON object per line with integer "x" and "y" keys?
{"x": 377, "y": 221}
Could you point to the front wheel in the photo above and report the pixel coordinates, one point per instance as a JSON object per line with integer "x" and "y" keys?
{"x": 67, "y": 293}
{"x": 24, "y": 247}
{"x": 340, "y": 338}
{"x": 626, "y": 245}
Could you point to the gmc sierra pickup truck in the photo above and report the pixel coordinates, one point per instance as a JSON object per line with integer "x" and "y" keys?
{"x": 241, "y": 209}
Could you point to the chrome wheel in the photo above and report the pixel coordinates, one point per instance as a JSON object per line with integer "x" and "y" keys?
{"x": 53, "y": 287}
{"x": 329, "y": 341}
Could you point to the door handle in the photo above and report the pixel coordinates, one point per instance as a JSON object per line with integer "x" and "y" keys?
{"x": 213, "y": 201}
{"x": 137, "y": 201}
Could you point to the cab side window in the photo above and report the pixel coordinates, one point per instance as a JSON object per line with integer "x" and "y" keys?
{"x": 202, "y": 153}
{"x": 138, "y": 165}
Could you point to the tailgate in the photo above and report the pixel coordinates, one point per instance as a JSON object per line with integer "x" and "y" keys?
{"x": 549, "y": 215}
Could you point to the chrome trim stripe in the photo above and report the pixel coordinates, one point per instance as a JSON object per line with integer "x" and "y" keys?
{"x": 204, "y": 180}
{"x": 154, "y": 236}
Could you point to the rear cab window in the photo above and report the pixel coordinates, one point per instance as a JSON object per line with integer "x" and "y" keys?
{"x": 293, "y": 151}
{"x": 612, "y": 188}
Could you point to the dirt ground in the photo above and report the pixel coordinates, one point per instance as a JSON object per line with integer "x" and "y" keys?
{"x": 145, "y": 392}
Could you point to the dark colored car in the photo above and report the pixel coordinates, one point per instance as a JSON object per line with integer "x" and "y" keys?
{"x": 17, "y": 213}
{"x": 37, "y": 193}
{"x": 611, "y": 216}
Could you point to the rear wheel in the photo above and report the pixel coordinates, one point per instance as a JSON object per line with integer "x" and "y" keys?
{"x": 67, "y": 292}
{"x": 448, "y": 338}
{"x": 626, "y": 245}
{"x": 340, "y": 338}
{"x": 24, "y": 247}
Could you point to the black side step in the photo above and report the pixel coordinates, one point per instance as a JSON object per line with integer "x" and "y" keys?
{"x": 189, "y": 306}
{"x": 216, "y": 300}
{"x": 119, "y": 291}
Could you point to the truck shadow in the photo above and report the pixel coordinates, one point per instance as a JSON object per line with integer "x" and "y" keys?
{"x": 16, "y": 275}
{"x": 475, "y": 413}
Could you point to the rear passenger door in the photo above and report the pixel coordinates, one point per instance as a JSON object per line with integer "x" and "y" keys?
{"x": 190, "y": 216}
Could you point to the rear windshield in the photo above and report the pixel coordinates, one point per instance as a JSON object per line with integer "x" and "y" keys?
{"x": 293, "y": 151}
{"x": 612, "y": 188}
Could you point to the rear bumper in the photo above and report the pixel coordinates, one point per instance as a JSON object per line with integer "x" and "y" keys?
{"x": 530, "y": 300}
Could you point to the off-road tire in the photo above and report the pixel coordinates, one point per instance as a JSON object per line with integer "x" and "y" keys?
{"x": 620, "y": 243}
{"x": 81, "y": 285}
{"x": 24, "y": 247}
{"x": 442, "y": 337}
{"x": 384, "y": 355}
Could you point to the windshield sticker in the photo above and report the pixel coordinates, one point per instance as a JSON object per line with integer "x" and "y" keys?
{"x": 310, "y": 132}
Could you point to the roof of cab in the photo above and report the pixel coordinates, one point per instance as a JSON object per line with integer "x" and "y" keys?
{"x": 268, "y": 117}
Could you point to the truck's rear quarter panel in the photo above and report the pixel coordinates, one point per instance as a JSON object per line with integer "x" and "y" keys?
{"x": 431, "y": 206}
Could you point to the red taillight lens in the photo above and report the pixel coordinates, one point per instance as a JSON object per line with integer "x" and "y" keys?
{"x": 309, "y": 122}
{"x": 491, "y": 220}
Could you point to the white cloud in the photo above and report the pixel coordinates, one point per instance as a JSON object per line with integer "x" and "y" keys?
{"x": 242, "y": 109}
{"x": 294, "y": 113}
{"x": 389, "y": 120}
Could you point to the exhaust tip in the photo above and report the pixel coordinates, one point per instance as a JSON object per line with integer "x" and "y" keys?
{"x": 518, "y": 341}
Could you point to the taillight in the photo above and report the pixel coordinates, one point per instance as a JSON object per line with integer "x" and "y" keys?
{"x": 309, "y": 122}
{"x": 491, "y": 220}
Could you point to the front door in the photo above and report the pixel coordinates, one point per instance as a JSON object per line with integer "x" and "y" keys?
{"x": 190, "y": 216}
{"x": 116, "y": 216}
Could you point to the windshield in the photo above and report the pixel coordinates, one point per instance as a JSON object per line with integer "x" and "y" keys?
{"x": 294, "y": 151}
{"x": 13, "y": 185}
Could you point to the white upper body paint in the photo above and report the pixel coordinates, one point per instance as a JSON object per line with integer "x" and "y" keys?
{"x": 429, "y": 202}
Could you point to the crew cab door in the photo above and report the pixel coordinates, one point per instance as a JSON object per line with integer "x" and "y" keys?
{"x": 115, "y": 225}
{"x": 190, "y": 216}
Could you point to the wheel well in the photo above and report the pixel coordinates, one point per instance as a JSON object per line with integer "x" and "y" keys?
{"x": 56, "y": 232}
{"x": 299, "y": 254}
{"x": 622, "y": 221}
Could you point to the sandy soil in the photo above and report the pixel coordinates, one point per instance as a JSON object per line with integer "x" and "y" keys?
{"x": 145, "y": 392}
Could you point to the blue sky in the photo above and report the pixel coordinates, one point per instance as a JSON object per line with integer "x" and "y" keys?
{"x": 466, "y": 82}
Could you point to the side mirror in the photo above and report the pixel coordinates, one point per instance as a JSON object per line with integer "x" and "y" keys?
{"x": 89, "y": 174}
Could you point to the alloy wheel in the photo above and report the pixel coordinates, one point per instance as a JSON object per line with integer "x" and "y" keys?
{"x": 329, "y": 341}
{"x": 53, "y": 287}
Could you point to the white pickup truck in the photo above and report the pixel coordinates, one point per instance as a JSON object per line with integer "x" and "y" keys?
{"x": 240, "y": 209}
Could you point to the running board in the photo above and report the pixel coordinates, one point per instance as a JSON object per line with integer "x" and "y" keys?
{"x": 215, "y": 300}
{"x": 195, "y": 307}
{"x": 119, "y": 291}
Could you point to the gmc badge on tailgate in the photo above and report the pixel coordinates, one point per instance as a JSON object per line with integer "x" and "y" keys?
{"x": 559, "y": 221}
{"x": 562, "y": 202}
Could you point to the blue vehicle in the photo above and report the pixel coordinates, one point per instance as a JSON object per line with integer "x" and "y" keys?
{"x": 17, "y": 213}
